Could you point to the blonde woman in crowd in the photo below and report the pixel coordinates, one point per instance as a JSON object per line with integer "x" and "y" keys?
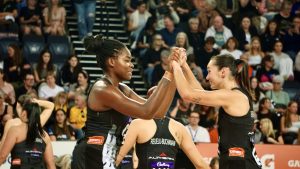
{"x": 269, "y": 136}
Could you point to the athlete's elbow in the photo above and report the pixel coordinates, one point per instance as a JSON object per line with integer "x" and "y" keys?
{"x": 186, "y": 96}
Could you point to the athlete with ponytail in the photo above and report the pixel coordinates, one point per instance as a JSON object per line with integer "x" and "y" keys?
{"x": 28, "y": 143}
{"x": 231, "y": 92}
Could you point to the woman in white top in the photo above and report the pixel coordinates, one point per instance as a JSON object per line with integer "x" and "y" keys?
{"x": 255, "y": 53}
{"x": 55, "y": 18}
{"x": 290, "y": 123}
{"x": 231, "y": 47}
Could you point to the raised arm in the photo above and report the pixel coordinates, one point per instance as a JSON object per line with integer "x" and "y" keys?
{"x": 47, "y": 110}
{"x": 130, "y": 140}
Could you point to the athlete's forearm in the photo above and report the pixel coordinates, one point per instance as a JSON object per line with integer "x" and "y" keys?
{"x": 190, "y": 77}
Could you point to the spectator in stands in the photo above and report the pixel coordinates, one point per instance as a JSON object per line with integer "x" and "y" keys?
{"x": 181, "y": 111}
{"x": 182, "y": 41}
{"x": 165, "y": 9}
{"x": 82, "y": 85}
{"x": 27, "y": 142}
{"x": 270, "y": 36}
{"x": 273, "y": 7}
{"x": 199, "y": 134}
{"x": 227, "y": 8}
{"x": 170, "y": 31}
{"x": 54, "y": 18}
{"x": 69, "y": 71}
{"x": 246, "y": 8}
{"x": 214, "y": 163}
{"x": 6, "y": 112}
{"x": 85, "y": 16}
{"x": 8, "y": 16}
{"x": 183, "y": 9}
{"x": 50, "y": 89}
{"x": 278, "y": 95}
{"x": 206, "y": 53}
{"x": 292, "y": 38}
{"x": 196, "y": 37}
{"x": 137, "y": 20}
{"x": 231, "y": 47}
{"x": 60, "y": 130}
{"x": 219, "y": 31}
{"x": 145, "y": 37}
{"x": 15, "y": 65}
{"x": 152, "y": 57}
{"x": 284, "y": 18}
{"x": 290, "y": 123}
{"x": 269, "y": 136}
{"x": 160, "y": 67}
{"x": 245, "y": 33}
{"x": 44, "y": 66}
{"x": 130, "y": 6}
{"x": 257, "y": 94}
{"x": 283, "y": 63}
{"x": 197, "y": 71}
{"x": 7, "y": 89}
{"x": 297, "y": 67}
{"x": 255, "y": 54}
{"x": 207, "y": 15}
{"x": 28, "y": 85}
{"x": 265, "y": 110}
{"x": 78, "y": 114}
{"x": 208, "y": 116}
{"x": 61, "y": 102}
{"x": 30, "y": 18}
{"x": 266, "y": 72}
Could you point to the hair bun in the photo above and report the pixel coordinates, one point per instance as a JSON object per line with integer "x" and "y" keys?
{"x": 92, "y": 44}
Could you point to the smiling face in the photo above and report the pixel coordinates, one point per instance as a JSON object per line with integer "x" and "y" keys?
{"x": 123, "y": 65}
{"x": 213, "y": 75}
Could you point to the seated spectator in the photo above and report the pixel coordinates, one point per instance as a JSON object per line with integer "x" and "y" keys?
{"x": 255, "y": 54}
{"x": 82, "y": 85}
{"x": 15, "y": 65}
{"x": 30, "y": 20}
{"x": 7, "y": 89}
{"x": 292, "y": 38}
{"x": 277, "y": 94}
{"x": 257, "y": 95}
{"x": 44, "y": 66}
{"x": 227, "y": 8}
{"x": 273, "y": 7}
{"x": 170, "y": 32}
{"x": 78, "y": 114}
{"x": 195, "y": 37}
{"x": 265, "y": 110}
{"x": 183, "y": 9}
{"x": 160, "y": 67}
{"x": 266, "y": 72}
{"x": 197, "y": 71}
{"x": 214, "y": 163}
{"x": 198, "y": 133}
{"x": 69, "y": 71}
{"x": 290, "y": 123}
{"x": 145, "y": 37}
{"x": 60, "y": 130}
{"x": 182, "y": 41}
{"x": 207, "y": 15}
{"x": 137, "y": 20}
{"x": 6, "y": 113}
{"x": 269, "y": 136}
{"x": 165, "y": 9}
{"x": 283, "y": 63}
{"x": 54, "y": 17}
{"x": 48, "y": 90}
{"x": 297, "y": 67}
{"x": 61, "y": 102}
{"x": 28, "y": 85}
{"x": 8, "y": 16}
{"x": 284, "y": 18}
{"x": 219, "y": 31}
{"x": 231, "y": 47}
{"x": 181, "y": 111}
{"x": 152, "y": 56}
{"x": 270, "y": 36}
{"x": 206, "y": 53}
{"x": 245, "y": 33}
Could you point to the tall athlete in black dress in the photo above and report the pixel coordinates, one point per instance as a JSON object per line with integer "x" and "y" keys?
{"x": 111, "y": 104}
{"x": 229, "y": 78}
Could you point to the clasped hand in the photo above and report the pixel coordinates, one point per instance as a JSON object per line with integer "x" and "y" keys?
{"x": 177, "y": 57}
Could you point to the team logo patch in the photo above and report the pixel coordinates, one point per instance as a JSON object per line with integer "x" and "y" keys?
{"x": 16, "y": 161}
{"x": 162, "y": 165}
{"x": 97, "y": 140}
{"x": 236, "y": 152}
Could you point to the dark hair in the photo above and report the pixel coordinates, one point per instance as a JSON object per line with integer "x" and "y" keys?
{"x": 268, "y": 57}
{"x": 17, "y": 58}
{"x": 210, "y": 39}
{"x": 50, "y": 65}
{"x": 268, "y": 27}
{"x": 65, "y": 128}
{"x": 84, "y": 73}
{"x": 103, "y": 48}
{"x": 261, "y": 102}
{"x": 256, "y": 91}
{"x": 26, "y": 74}
{"x": 234, "y": 40}
{"x": 34, "y": 124}
{"x": 238, "y": 68}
